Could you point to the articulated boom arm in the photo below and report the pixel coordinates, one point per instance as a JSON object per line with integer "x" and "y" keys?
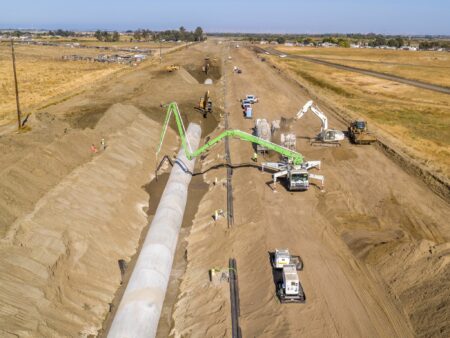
{"x": 293, "y": 156}
{"x": 316, "y": 111}
{"x": 304, "y": 110}
{"x": 321, "y": 116}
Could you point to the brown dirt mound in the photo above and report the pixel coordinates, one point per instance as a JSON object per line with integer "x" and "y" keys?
{"x": 75, "y": 217}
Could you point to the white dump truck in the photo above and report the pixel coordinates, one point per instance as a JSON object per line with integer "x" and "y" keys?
{"x": 289, "y": 289}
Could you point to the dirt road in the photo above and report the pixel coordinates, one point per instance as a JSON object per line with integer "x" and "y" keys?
{"x": 350, "y": 236}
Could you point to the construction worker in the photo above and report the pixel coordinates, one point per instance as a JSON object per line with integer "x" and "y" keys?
{"x": 103, "y": 144}
{"x": 255, "y": 157}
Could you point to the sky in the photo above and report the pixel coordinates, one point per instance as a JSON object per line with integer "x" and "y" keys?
{"x": 258, "y": 16}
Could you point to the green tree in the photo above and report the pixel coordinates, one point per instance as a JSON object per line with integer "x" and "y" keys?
{"x": 281, "y": 39}
{"x": 98, "y": 35}
{"x": 198, "y": 34}
{"x": 182, "y": 33}
{"x": 115, "y": 36}
{"x": 137, "y": 35}
{"x": 343, "y": 43}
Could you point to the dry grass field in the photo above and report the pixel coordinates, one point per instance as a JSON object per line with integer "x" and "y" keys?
{"x": 431, "y": 67}
{"x": 43, "y": 76}
{"x": 420, "y": 118}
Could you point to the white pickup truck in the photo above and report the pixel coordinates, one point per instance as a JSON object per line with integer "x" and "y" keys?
{"x": 251, "y": 98}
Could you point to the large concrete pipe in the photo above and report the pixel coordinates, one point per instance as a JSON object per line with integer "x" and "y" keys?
{"x": 140, "y": 308}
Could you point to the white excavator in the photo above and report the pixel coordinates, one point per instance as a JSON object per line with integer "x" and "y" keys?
{"x": 326, "y": 136}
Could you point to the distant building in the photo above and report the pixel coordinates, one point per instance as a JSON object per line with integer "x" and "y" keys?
{"x": 327, "y": 44}
{"x": 411, "y": 48}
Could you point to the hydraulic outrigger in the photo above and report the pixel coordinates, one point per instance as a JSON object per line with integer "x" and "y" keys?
{"x": 294, "y": 168}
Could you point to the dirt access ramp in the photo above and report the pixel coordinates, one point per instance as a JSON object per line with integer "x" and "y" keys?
{"x": 59, "y": 269}
{"x": 371, "y": 211}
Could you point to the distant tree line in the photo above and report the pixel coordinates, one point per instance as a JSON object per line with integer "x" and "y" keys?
{"x": 107, "y": 36}
{"x": 60, "y": 32}
{"x": 426, "y": 45}
{"x": 169, "y": 35}
{"x": 382, "y": 41}
{"x": 344, "y": 40}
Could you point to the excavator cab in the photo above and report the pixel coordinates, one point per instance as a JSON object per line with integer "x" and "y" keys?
{"x": 330, "y": 135}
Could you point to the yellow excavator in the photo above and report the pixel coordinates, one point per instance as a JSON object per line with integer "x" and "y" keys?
{"x": 172, "y": 68}
{"x": 205, "y": 104}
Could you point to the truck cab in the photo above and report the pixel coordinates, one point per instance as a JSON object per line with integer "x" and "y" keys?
{"x": 246, "y": 103}
{"x": 298, "y": 179}
{"x": 251, "y": 98}
{"x": 282, "y": 257}
{"x": 360, "y": 124}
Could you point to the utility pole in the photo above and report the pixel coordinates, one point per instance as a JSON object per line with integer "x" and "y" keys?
{"x": 19, "y": 117}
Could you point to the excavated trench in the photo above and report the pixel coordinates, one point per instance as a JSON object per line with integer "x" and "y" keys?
{"x": 155, "y": 188}
{"x": 214, "y": 72}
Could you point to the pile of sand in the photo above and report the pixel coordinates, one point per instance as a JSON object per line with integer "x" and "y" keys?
{"x": 419, "y": 274}
{"x": 68, "y": 223}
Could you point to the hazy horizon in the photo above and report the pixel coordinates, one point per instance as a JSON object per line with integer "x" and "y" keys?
{"x": 411, "y": 17}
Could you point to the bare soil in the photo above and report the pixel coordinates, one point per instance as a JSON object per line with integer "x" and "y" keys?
{"x": 67, "y": 215}
{"x": 375, "y": 243}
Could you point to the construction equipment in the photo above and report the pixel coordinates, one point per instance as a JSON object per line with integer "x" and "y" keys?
{"x": 206, "y": 66}
{"x": 251, "y": 99}
{"x": 293, "y": 168}
{"x": 262, "y": 130}
{"x": 359, "y": 134}
{"x": 285, "y": 267}
{"x": 297, "y": 176}
{"x": 282, "y": 257}
{"x": 205, "y": 104}
{"x": 172, "y": 68}
{"x": 245, "y": 104}
{"x": 289, "y": 289}
{"x": 288, "y": 140}
{"x": 248, "y": 110}
{"x": 326, "y": 136}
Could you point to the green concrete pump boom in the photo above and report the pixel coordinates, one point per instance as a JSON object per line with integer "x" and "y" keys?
{"x": 293, "y": 156}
